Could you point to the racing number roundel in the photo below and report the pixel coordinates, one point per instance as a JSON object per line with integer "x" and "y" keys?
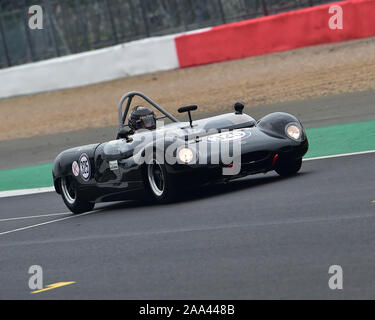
{"x": 84, "y": 165}
{"x": 228, "y": 136}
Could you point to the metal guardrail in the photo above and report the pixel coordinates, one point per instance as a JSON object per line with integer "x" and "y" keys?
{"x": 72, "y": 26}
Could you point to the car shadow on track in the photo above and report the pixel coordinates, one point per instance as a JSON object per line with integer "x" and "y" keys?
{"x": 209, "y": 191}
{"x": 234, "y": 186}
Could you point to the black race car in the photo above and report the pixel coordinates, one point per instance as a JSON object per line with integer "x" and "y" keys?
{"x": 149, "y": 160}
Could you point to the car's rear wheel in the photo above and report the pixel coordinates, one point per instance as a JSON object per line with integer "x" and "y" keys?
{"x": 72, "y": 196}
{"x": 159, "y": 183}
{"x": 287, "y": 167}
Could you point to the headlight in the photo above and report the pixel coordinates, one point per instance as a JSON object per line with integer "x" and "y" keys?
{"x": 293, "y": 131}
{"x": 185, "y": 155}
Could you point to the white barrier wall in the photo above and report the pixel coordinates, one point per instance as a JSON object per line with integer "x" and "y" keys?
{"x": 133, "y": 58}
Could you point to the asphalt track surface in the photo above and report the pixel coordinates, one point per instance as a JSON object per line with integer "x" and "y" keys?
{"x": 258, "y": 237}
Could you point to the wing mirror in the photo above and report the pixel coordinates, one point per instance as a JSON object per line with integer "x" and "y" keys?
{"x": 238, "y": 107}
{"x": 188, "y": 109}
{"x": 124, "y": 133}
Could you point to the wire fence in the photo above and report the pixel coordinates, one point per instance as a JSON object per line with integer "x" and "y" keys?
{"x": 72, "y": 26}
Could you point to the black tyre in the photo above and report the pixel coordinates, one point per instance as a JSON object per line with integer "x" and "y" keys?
{"x": 72, "y": 196}
{"x": 288, "y": 167}
{"x": 160, "y": 185}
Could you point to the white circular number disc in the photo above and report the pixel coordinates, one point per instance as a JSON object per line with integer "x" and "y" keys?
{"x": 227, "y": 136}
{"x": 84, "y": 165}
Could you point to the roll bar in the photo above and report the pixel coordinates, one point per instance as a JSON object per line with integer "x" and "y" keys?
{"x": 129, "y": 96}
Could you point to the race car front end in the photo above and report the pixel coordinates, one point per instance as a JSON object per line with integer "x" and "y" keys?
{"x": 240, "y": 152}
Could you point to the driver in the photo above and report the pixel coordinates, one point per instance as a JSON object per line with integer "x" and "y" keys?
{"x": 142, "y": 118}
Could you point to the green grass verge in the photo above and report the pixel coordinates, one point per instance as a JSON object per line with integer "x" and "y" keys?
{"x": 339, "y": 139}
{"x": 26, "y": 178}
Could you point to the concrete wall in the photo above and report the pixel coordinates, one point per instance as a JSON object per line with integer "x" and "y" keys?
{"x": 129, "y": 59}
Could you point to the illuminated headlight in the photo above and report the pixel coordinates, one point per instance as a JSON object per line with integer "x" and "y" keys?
{"x": 293, "y": 132}
{"x": 185, "y": 155}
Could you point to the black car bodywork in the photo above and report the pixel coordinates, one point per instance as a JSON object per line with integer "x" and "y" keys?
{"x": 111, "y": 172}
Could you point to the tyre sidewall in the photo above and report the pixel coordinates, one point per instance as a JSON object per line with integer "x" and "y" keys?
{"x": 169, "y": 193}
{"x": 288, "y": 167}
{"x": 80, "y": 204}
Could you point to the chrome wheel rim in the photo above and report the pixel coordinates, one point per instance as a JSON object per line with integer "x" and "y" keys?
{"x": 68, "y": 189}
{"x": 156, "y": 178}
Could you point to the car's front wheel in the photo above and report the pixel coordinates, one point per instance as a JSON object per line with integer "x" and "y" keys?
{"x": 159, "y": 183}
{"x": 72, "y": 196}
{"x": 287, "y": 167}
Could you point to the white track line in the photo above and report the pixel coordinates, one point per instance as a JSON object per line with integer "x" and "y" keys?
{"x": 340, "y": 155}
{"x": 38, "y": 216}
{"x": 15, "y": 193}
{"x": 24, "y": 192}
{"x": 45, "y": 223}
